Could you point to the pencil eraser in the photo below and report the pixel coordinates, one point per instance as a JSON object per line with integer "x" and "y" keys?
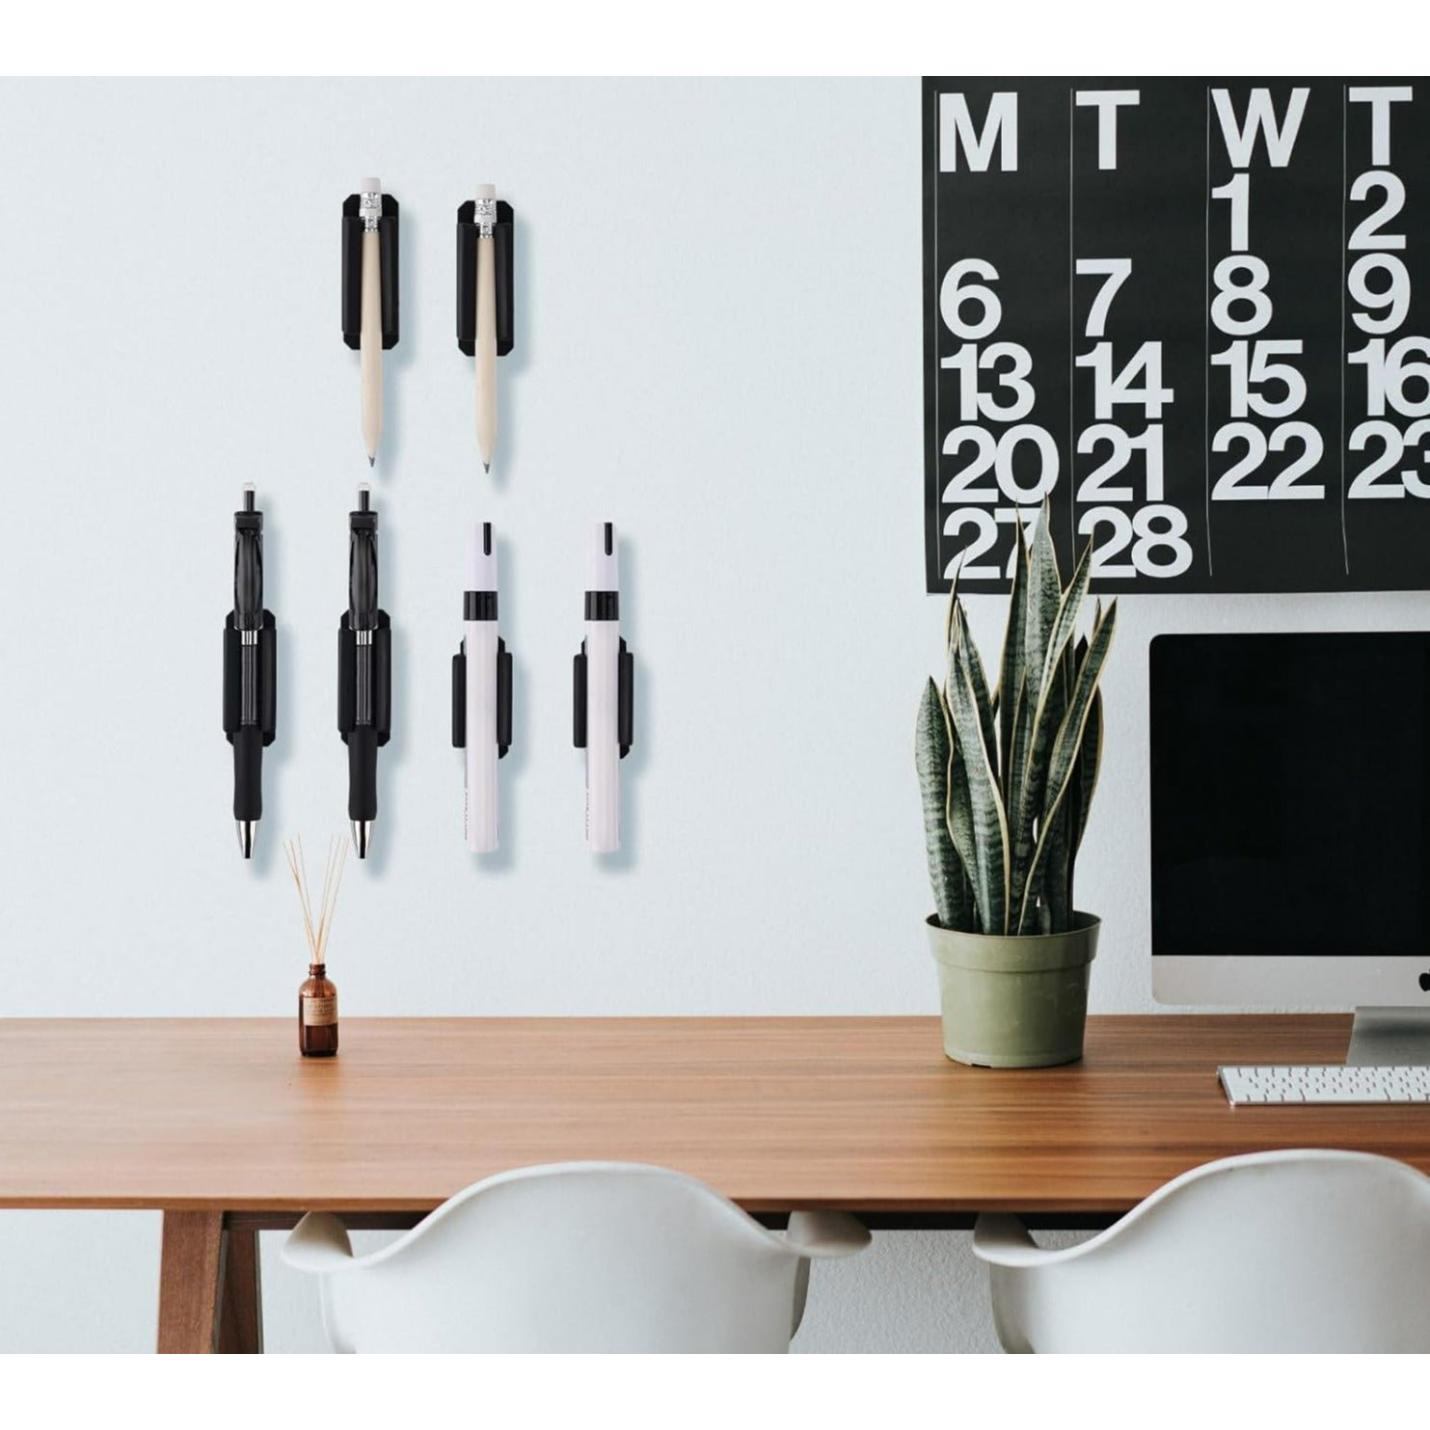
{"x": 369, "y": 186}
{"x": 482, "y": 559}
{"x": 485, "y": 191}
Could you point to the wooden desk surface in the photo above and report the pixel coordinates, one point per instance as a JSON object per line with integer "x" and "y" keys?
{"x": 859, "y": 1113}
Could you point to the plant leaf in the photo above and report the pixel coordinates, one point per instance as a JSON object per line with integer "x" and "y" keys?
{"x": 1054, "y": 900}
{"x": 989, "y": 833}
{"x": 1084, "y": 783}
{"x": 1089, "y": 765}
{"x": 959, "y": 816}
{"x": 1066, "y": 748}
{"x": 1069, "y": 607}
{"x": 1010, "y": 672}
{"x": 1047, "y": 716}
{"x": 1045, "y": 594}
{"x": 986, "y": 721}
{"x": 933, "y": 748}
{"x": 1044, "y": 599}
{"x": 1022, "y": 725}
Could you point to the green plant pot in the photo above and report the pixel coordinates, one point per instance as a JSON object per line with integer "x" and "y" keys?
{"x": 1015, "y": 1001}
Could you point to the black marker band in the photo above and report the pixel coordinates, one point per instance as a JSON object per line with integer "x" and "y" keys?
{"x": 603, "y": 605}
{"x": 479, "y": 606}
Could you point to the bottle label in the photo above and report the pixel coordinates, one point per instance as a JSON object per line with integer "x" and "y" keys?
{"x": 319, "y": 1012}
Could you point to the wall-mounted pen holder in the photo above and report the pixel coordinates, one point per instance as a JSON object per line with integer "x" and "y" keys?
{"x": 262, "y": 692}
{"x": 381, "y": 715}
{"x": 625, "y": 700}
{"x": 267, "y": 659}
{"x": 364, "y": 731}
{"x": 459, "y": 699}
{"x": 352, "y": 270}
{"x": 503, "y": 274}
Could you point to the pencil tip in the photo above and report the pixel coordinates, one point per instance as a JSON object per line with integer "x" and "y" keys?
{"x": 487, "y": 468}
{"x": 372, "y": 461}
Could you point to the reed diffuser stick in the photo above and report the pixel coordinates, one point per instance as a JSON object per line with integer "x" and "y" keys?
{"x": 332, "y": 882}
{"x": 317, "y": 933}
{"x": 294, "y": 854}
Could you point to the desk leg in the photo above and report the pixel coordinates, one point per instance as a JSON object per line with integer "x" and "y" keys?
{"x": 190, "y": 1273}
{"x": 240, "y": 1325}
{"x": 208, "y": 1286}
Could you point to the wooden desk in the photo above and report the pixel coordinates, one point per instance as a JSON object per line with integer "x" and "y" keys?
{"x": 221, "y": 1125}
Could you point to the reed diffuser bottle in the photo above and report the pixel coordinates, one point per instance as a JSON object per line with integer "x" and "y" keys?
{"x": 318, "y": 994}
{"x": 318, "y": 1014}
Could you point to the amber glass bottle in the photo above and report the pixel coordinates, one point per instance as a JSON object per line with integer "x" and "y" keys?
{"x": 318, "y": 1014}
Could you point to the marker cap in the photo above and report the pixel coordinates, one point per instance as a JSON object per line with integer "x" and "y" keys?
{"x": 482, "y": 559}
{"x": 605, "y": 569}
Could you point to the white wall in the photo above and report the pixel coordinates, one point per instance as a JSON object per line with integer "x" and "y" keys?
{"x": 718, "y": 348}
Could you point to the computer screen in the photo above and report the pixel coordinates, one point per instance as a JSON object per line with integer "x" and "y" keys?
{"x": 1290, "y": 795}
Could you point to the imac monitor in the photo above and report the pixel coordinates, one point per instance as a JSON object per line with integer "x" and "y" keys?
{"x": 1290, "y": 793}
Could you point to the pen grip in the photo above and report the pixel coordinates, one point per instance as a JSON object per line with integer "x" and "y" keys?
{"x": 248, "y": 772}
{"x": 362, "y": 773}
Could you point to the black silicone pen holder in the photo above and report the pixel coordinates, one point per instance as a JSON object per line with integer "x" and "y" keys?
{"x": 364, "y": 730}
{"x": 387, "y": 227}
{"x": 504, "y": 269}
{"x": 253, "y": 730}
{"x": 625, "y": 700}
{"x": 459, "y": 698}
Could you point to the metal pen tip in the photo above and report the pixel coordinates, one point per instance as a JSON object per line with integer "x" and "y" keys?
{"x": 247, "y": 830}
{"x": 362, "y": 836}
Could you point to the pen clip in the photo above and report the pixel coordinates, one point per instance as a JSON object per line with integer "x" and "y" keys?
{"x": 578, "y": 691}
{"x": 626, "y": 701}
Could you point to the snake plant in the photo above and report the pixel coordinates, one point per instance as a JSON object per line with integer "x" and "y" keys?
{"x": 1007, "y": 777}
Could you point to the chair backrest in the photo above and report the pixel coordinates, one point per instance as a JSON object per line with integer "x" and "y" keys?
{"x": 585, "y": 1256}
{"x": 1277, "y": 1251}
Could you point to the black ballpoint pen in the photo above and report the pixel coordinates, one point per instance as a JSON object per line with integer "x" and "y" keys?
{"x": 364, "y": 672}
{"x": 250, "y": 673}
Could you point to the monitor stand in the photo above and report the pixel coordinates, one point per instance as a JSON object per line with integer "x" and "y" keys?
{"x": 1384, "y": 1036}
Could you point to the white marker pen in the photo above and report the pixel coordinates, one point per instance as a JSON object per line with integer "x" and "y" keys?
{"x": 603, "y": 695}
{"x": 481, "y": 690}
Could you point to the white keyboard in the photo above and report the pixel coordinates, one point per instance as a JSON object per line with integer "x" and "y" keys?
{"x": 1325, "y": 1084}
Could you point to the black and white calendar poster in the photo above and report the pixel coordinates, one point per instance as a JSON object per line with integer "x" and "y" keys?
{"x": 1194, "y": 315}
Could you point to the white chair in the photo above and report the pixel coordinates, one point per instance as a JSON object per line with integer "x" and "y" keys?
{"x": 1277, "y": 1251}
{"x": 580, "y": 1256}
